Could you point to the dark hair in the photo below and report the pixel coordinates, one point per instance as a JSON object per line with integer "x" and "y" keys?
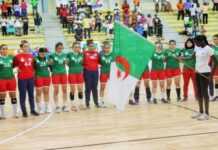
{"x": 215, "y": 35}
{"x": 58, "y": 44}
{"x": 75, "y": 43}
{"x": 189, "y": 40}
{"x": 172, "y": 41}
{"x": 23, "y": 42}
{"x": 2, "y": 45}
{"x": 201, "y": 41}
{"x": 90, "y": 41}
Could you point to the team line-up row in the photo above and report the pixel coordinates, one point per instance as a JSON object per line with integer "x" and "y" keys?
{"x": 84, "y": 68}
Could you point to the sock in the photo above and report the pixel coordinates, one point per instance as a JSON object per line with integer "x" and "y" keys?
{"x": 14, "y": 106}
{"x": 72, "y": 96}
{"x": 136, "y": 94}
{"x": 162, "y": 95}
{"x": 148, "y": 93}
{"x": 154, "y": 96}
{"x": 2, "y": 107}
{"x": 168, "y": 94}
{"x": 178, "y": 91}
{"x": 2, "y": 111}
{"x": 216, "y": 89}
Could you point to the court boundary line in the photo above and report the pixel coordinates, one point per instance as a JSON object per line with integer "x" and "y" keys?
{"x": 133, "y": 140}
{"x": 190, "y": 109}
{"x": 143, "y": 139}
{"x": 19, "y": 134}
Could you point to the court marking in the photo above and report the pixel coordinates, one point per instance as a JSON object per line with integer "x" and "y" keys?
{"x": 38, "y": 125}
{"x": 190, "y": 109}
{"x": 133, "y": 140}
{"x": 143, "y": 139}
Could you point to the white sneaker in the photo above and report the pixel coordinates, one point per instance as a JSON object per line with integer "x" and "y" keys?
{"x": 47, "y": 109}
{"x": 102, "y": 104}
{"x": 57, "y": 109}
{"x": 65, "y": 109}
{"x": 203, "y": 117}
{"x": 196, "y": 115}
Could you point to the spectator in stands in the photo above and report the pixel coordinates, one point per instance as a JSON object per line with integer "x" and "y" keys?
{"x": 10, "y": 26}
{"x": 87, "y": 27}
{"x": 37, "y": 22}
{"x": 23, "y": 6}
{"x": 17, "y": 10}
{"x": 180, "y": 8}
{"x": 25, "y": 25}
{"x": 150, "y": 25}
{"x": 4, "y": 26}
{"x": 9, "y": 6}
{"x": 116, "y": 8}
{"x": 70, "y": 23}
{"x": 125, "y": 7}
{"x": 98, "y": 22}
{"x": 79, "y": 32}
{"x": 188, "y": 6}
{"x": 109, "y": 17}
{"x": 34, "y": 4}
{"x": 64, "y": 14}
{"x": 205, "y": 8}
{"x": 215, "y": 5}
{"x": 4, "y": 9}
{"x": 157, "y": 22}
{"x": 18, "y": 27}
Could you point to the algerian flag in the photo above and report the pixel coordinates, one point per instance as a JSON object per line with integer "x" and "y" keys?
{"x": 132, "y": 54}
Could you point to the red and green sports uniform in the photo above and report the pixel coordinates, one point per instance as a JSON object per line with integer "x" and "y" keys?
{"x": 7, "y": 79}
{"x": 216, "y": 57}
{"x": 157, "y": 67}
{"x": 105, "y": 61}
{"x": 146, "y": 74}
{"x": 172, "y": 63}
{"x": 58, "y": 69}
{"x": 42, "y": 73}
{"x": 188, "y": 70}
{"x": 75, "y": 63}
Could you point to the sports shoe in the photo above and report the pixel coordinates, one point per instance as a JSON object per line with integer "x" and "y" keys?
{"x": 57, "y": 109}
{"x": 47, "y": 109}
{"x": 25, "y": 115}
{"x": 2, "y": 117}
{"x": 196, "y": 115}
{"x": 164, "y": 101}
{"x": 34, "y": 113}
{"x": 102, "y": 104}
{"x": 155, "y": 101}
{"x": 184, "y": 99}
{"x": 131, "y": 102}
{"x": 65, "y": 109}
{"x": 213, "y": 99}
{"x": 203, "y": 117}
{"x": 73, "y": 108}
